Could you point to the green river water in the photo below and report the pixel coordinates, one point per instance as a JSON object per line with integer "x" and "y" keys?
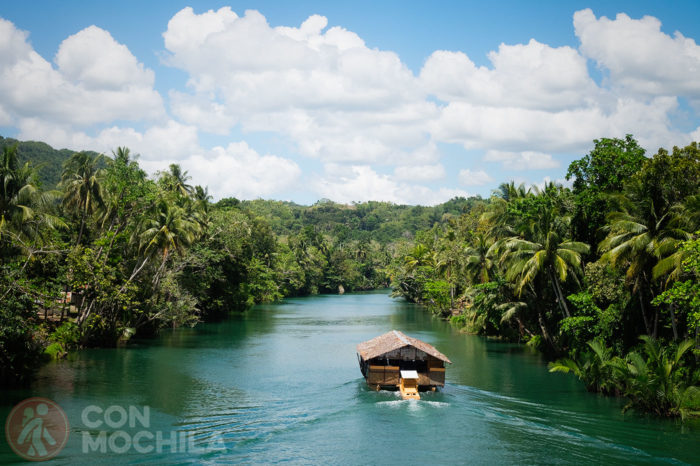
{"x": 282, "y": 384}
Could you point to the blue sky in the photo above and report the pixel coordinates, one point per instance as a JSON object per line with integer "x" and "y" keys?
{"x": 408, "y": 102}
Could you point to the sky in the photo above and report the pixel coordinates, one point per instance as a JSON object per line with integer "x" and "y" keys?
{"x": 400, "y": 101}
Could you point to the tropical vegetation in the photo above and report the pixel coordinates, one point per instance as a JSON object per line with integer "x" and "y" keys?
{"x": 602, "y": 276}
{"x": 98, "y": 252}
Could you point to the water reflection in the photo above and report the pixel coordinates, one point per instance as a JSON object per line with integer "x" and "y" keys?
{"x": 281, "y": 383}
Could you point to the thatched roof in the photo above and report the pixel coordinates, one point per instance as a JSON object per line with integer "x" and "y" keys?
{"x": 394, "y": 340}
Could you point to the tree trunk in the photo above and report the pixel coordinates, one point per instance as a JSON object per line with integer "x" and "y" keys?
{"x": 111, "y": 225}
{"x": 673, "y": 322}
{"x": 156, "y": 277}
{"x": 656, "y": 323}
{"x": 133, "y": 274}
{"x": 452, "y": 289}
{"x": 65, "y": 298}
{"x": 644, "y": 314}
{"x": 83, "y": 318}
{"x": 111, "y": 242}
{"x": 522, "y": 328}
{"x": 82, "y": 226}
{"x": 560, "y": 296}
{"x": 82, "y": 312}
{"x": 545, "y": 333}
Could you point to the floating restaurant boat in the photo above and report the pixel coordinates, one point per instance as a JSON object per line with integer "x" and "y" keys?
{"x": 395, "y": 360}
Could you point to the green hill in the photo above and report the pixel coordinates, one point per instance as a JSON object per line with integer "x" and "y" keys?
{"x": 380, "y": 221}
{"x": 47, "y": 160}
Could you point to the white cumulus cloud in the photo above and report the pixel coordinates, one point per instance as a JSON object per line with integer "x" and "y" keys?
{"x": 474, "y": 177}
{"x": 532, "y": 75}
{"x": 97, "y": 81}
{"x": 638, "y": 56}
{"x": 528, "y": 160}
{"x": 348, "y": 183}
{"x": 376, "y": 128}
{"x": 238, "y": 170}
{"x": 420, "y": 172}
{"x": 321, "y": 86}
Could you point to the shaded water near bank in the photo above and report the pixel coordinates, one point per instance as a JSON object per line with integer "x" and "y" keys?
{"x": 282, "y": 384}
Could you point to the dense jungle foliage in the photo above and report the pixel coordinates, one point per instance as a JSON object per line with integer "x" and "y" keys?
{"x": 604, "y": 275}
{"x": 101, "y": 252}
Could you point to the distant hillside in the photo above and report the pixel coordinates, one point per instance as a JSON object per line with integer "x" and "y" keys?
{"x": 380, "y": 221}
{"x": 47, "y": 160}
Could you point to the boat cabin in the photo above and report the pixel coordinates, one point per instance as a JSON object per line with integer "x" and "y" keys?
{"x": 395, "y": 360}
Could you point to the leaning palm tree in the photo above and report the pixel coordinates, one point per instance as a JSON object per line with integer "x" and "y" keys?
{"x": 557, "y": 259}
{"x": 81, "y": 182}
{"x": 642, "y": 238}
{"x": 541, "y": 248}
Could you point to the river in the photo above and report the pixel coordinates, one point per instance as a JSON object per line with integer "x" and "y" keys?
{"x": 281, "y": 383}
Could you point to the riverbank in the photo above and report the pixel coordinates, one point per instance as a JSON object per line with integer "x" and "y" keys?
{"x": 281, "y": 383}
{"x": 605, "y": 275}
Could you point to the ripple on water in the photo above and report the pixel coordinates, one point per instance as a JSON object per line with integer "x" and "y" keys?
{"x": 281, "y": 384}
{"x": 560, "y": 429}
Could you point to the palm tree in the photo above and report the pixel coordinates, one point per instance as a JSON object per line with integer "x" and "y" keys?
{"x": 16, "y": 192}
{"x": 202, "y": 197}
{"x": 445, "y": 260}
{"x": 23, "y": 206}
{"x": 556, "y": 258}
{"x": 81, "y": 181}
{"x": 643, "y": 237}
{"x": 596, "y": 369}
{"x": 175, "y": 180}
{"x": 419, "y": 259}
{"x": 126, "y": 195}
{"x": 480, "y": 258}
{"x": 498, "y": 220}
{"x": 685, "y": 219}
{"x": 510, "y": 192}
{"x": 122, "y": 154}
{"x": 512, "y": 311}
{"x": 419, "y": 256}
{"x": 670, "y": 255}
{"x": 198, "y": 206}
{"x": 167, "y": 229}
{"x": 541, "y": 247}
{"x": 656, "y": 384}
